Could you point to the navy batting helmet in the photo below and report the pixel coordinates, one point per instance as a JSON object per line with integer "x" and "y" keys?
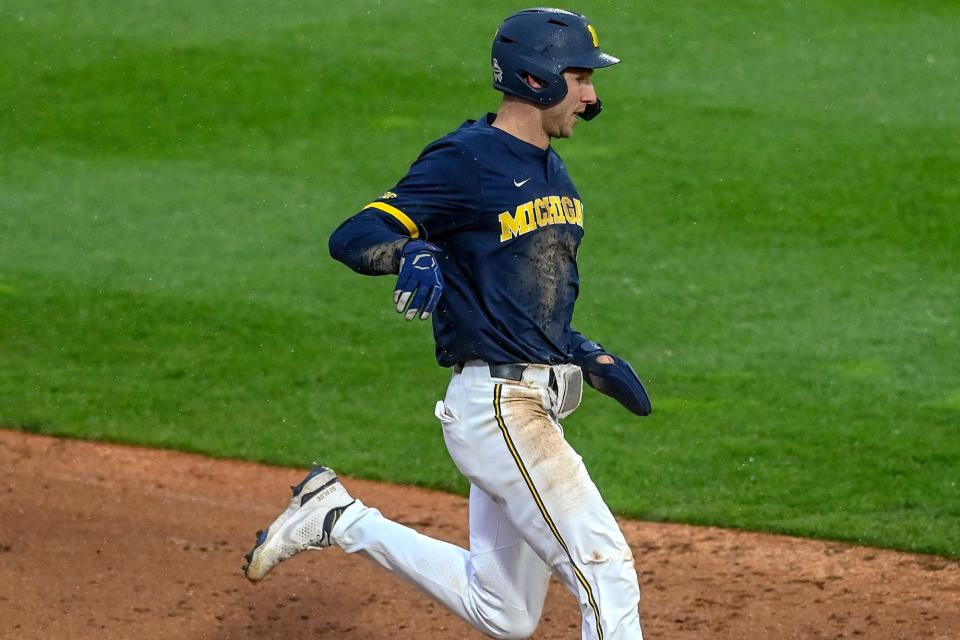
{"x": 543, "y": 43}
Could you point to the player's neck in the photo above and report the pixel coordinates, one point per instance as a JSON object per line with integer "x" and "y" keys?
{"x": 522, "y": 121}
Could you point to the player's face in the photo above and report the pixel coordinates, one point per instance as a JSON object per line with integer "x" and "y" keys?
{"x": 560, "y": 119}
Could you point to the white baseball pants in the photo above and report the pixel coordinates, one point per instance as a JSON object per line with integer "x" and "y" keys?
{"x": 533, "y": 510}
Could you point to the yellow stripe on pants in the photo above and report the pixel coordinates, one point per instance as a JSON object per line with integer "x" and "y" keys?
{"x": 543, "y": 509}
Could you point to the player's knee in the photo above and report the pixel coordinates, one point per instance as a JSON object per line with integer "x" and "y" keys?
{"x": 520, "y": 632}
{"x": 515, "y": 625}
{"x": 524, "y": 628}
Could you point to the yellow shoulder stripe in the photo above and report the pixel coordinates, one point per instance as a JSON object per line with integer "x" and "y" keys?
{"x": 399, "y": 215}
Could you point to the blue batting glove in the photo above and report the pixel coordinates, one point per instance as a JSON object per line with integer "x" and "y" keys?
{"x": 616, "y": 379}
{"x": 420, "y": 282}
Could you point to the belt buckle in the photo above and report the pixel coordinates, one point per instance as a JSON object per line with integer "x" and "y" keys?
{"x": 507, "y": 371}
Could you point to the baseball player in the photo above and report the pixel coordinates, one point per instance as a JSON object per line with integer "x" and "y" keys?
{"x": 483, "y": 232}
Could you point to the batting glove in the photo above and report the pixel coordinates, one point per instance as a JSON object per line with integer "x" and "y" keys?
{"x": 616, "y": 379}
{"x": 420, "y": 282}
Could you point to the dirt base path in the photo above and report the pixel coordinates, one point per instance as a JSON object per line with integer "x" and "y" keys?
{"x": 101, "y": 541}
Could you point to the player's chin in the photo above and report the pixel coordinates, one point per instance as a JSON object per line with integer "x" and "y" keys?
{"x": 567, "y": 129}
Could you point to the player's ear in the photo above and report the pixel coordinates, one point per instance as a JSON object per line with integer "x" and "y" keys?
{"x": 535, "y": 82}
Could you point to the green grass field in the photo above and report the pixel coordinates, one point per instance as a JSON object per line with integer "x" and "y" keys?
{"x": 773, "y": 233}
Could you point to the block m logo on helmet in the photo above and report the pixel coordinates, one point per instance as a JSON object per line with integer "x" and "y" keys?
{"x": 593, "y": 32}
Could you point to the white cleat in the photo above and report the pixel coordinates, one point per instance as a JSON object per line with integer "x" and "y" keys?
{"x": 317, "y": 503}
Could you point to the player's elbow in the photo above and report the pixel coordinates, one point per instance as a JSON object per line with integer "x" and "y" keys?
{"x": 337, "y": 245}
{"x": 345, "y": 246}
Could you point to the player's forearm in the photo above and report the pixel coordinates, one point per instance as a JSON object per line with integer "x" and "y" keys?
{"x": 367, "y": 244}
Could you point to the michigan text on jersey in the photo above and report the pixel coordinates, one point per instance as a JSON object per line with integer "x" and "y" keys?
{"x": 541, "y": 212}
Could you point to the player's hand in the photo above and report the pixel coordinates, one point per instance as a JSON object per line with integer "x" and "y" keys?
{"x": 612, "y": 375}
{"x": 420, "y": 282}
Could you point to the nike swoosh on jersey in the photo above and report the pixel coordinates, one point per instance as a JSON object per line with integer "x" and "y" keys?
{"x": 521, "y": 183}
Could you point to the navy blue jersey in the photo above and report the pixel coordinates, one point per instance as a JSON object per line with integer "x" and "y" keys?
{"x": 508, "y": 220}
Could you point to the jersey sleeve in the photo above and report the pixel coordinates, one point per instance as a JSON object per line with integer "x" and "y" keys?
{"x": 438, "y": 195}
{"x": 580, "y": 343}
{"x": 368, "y": 244}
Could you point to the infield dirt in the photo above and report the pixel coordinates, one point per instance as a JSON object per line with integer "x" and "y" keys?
{"x": 104, "y": 541}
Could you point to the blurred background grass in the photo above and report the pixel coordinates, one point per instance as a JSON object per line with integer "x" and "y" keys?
{"x": 772, "y": 238}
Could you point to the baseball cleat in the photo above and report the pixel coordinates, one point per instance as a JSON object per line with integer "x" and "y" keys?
{"x": 317, "y": 503}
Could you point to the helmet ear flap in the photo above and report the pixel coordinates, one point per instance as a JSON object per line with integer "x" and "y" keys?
{"x": 547, "y": 87}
